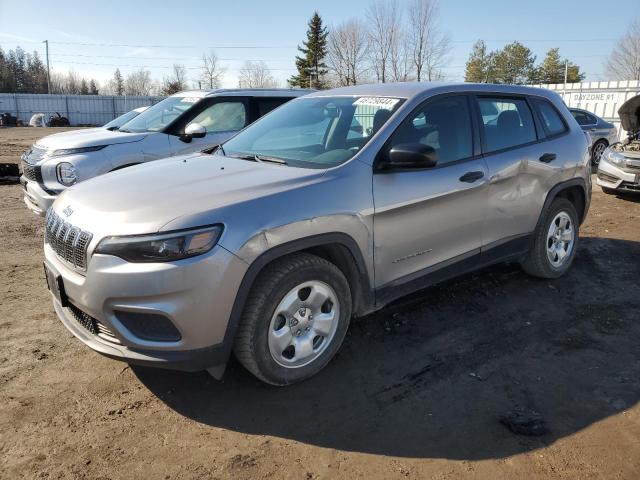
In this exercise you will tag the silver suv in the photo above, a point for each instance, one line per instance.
(329, 207)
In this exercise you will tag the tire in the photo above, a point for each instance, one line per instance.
(545, 259)
(609, 191)
(596, 152)
(286, 336)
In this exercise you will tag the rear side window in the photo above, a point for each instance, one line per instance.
(507, 122)
(443, 124)
(551, 120)
(265, 105)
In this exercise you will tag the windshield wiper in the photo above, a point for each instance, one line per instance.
(260, 158)
(123, 130)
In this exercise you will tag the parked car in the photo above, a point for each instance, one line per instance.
(619, 168)
(601, 132)
(182, 123)
(117, 122)
(268, 246)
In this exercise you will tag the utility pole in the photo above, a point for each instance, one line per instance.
(46, 43)
(566, 72)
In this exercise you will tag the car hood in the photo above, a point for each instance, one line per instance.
(90, 137)
(146, 197)
(629, 114)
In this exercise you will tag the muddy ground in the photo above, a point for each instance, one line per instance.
(416, 391)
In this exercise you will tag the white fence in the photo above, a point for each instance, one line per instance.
(79, 109)
(602, 98)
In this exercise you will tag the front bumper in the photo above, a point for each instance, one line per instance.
(615, 178)
(35, 197)
(196, 295)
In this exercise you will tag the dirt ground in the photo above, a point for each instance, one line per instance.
(417, 390)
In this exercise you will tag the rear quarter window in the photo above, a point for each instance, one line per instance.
(552, 121)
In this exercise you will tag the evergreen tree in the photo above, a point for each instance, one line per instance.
(93, 88)
(514, 64)
(478, 65)
(310, 65)
(552, 68)
(84, 88)
(118, 82)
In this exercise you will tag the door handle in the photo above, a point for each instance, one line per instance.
(548, 157)
(471, 177)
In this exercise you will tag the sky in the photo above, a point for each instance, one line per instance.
(93, 38)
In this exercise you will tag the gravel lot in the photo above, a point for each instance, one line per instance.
(417, 390)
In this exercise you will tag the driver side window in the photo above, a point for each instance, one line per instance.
(443, 124)
(222, 117)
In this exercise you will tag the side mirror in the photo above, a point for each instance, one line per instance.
(407, 156)
(193, 130)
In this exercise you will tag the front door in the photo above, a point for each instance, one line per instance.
(431, 218)
(222, 117)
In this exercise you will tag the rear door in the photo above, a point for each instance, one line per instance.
(430, 218)
(222, 117)
(522, 164)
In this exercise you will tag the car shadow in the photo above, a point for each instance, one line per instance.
(430, 375)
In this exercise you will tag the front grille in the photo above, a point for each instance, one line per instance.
(69, 242)
(32, 172)
(92, 325)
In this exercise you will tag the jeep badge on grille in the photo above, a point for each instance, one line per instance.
(68, 211)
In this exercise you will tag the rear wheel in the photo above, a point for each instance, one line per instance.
(295, 319)
(555, 241)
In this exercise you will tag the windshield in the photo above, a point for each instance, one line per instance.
(121, 120)
(313, 132)
(155, 118)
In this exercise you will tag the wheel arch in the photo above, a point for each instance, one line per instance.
(337, 247)
(574, 190)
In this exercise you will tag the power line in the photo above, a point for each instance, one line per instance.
(173, 46)
(163, 58)
(149, 66)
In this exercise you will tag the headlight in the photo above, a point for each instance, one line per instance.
(165, 247)
(66, 174)
(72, 151)
(614, 157)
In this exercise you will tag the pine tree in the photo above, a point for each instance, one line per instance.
(93, 88)
(84, 88)
(310, 65)
(118, 83)
(478, 65)
(514, 64)
(552, 69)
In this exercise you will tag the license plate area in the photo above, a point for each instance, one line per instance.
(55, 285)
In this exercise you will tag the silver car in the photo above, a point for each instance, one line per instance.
(619, 168)
(182, 123)
(601, 132)
(329, 207)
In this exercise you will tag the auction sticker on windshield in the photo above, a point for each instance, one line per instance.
(189, 100)
(382, 102)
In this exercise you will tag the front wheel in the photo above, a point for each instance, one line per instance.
(596, 152)
(295, 319)
(555, 241)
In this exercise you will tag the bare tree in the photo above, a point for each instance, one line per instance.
(400, 58)
(72, 83)
(383, 18)
(347, 52)
(177, 82)
(212, 71)
(429, 47)
(256, 75)
(624, 61)
(139, 83)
